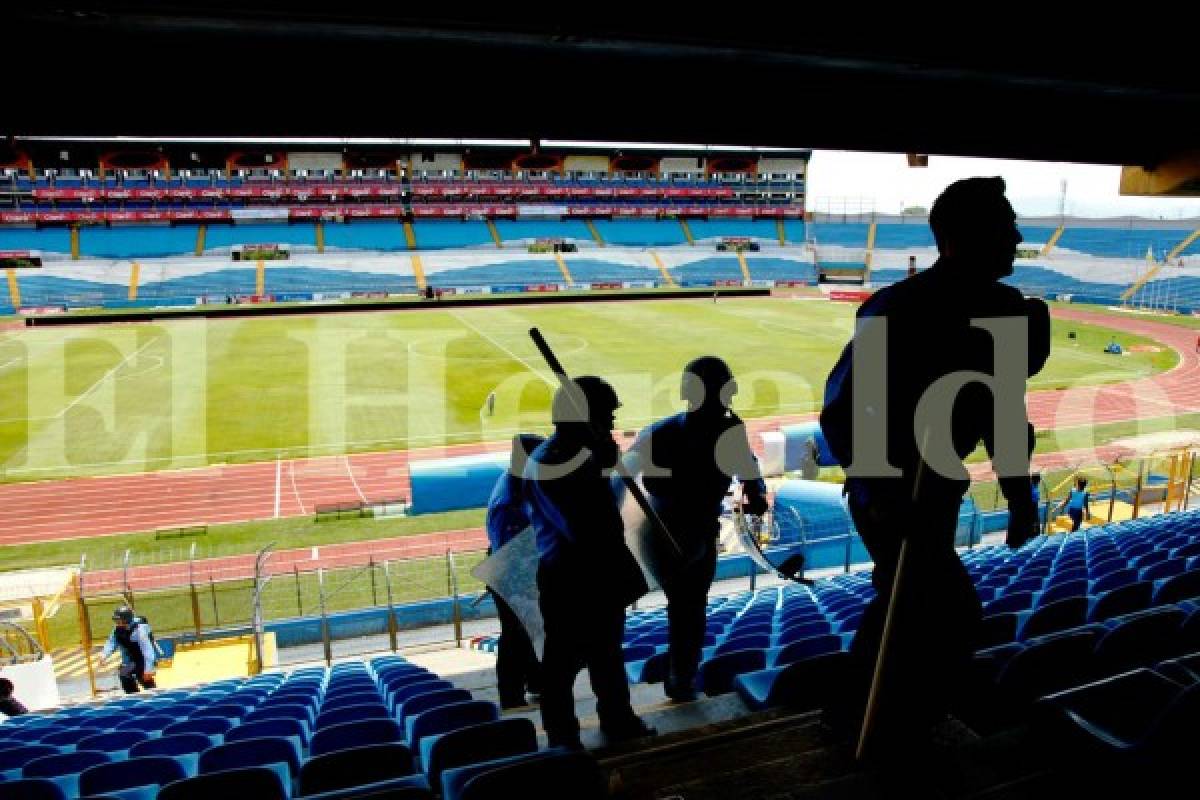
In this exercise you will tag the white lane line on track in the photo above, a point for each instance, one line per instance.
(350, 472)
(278, 481)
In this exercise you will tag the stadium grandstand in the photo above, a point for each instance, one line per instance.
(295, 504)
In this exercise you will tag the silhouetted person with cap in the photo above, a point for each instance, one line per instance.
(517, 668)
(688, 462)
(900, 414)
(586, 574)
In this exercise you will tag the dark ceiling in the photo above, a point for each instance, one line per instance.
(761, 77)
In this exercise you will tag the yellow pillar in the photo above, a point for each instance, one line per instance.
(134, 273)
(591, 226)
(39, 624)
(1054, 237)
(14, 291)
(495, 233)
(410, 235)
(870, 245)
(75, 242)
(1179, 248)
(260, 278)
(320, 237)
(201, 232)
(418, 271)
(780, 231)
(562, 266)
(662, 268)
(741, 257)
(687, 231)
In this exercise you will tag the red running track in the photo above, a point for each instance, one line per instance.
(87, 507)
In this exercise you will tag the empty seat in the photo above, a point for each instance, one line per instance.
(210, 726)
(273, 753)
(1183, 586)
(757, 641)
(807, 648)
(475, 743)
(64, 738)
(717, 673)
(115, 742)
(1121, 600)
(146, 775)
(1139, 640)
(805, 630)
(258, 783)
(14, 758)
(1184, 670)
(183, 747)
(446, 718)
(351, 713)
(355, 734)
(1115, 580)
(802, 685)
(548, 776)
(997, 629)
(290, 729)
(355, 766)
(424, 702)
(152, 724)
(1058, 616)
(1044, 666)
(1020, 601)
(32, 789)
(64, 768)
(1062, 591)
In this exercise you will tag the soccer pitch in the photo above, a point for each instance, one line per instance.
(137, 397)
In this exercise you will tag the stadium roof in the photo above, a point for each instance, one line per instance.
(750, 75)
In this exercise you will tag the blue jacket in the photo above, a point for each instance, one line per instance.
(506, 512)
(139, 637)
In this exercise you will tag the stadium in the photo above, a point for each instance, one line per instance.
(259, 387)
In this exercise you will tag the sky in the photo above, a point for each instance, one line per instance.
(845, 182)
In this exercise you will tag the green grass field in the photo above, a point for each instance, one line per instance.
(132, 398)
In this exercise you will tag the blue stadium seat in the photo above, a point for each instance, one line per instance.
(151, 724)
(12, 759)
(213, 727)
(807, 648)
(1046, 665)
(1140, 639)
(336, 716)
(421, 728)
(423, 702)
(32, 789)
(544, 776)
(115, 743)
(410, 690)
(997, 629)
(135, 779)
(1062, 591)
(355, 734)
(1122, 600)
(291, 729)
(277, 754)
(755, 641)
(303, 713)
(1115, 580)
(355, 766)
(1105, 719)
(802, 685)
(1057, 616)
(414, 787)
(183, 747)
(652, 670)
(1183, 586)
(258, 783)
(486, 741)
(717, 673)
(1163, 569)
(64, 768)
(1184, 670)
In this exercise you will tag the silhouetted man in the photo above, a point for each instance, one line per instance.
(517, 668)
(584, 565)
(688, 462)
(900, 415)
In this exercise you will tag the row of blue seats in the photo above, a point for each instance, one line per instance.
(317, 731)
